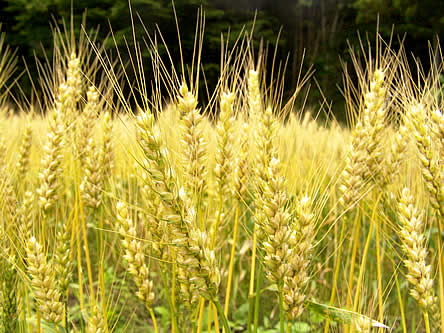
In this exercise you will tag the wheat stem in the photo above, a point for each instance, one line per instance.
(281, 311)
(401, 305)
(201, 311)
(379, 274)
(231, 265)
(222, 316)
(153, 318)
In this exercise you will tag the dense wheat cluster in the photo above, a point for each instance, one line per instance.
(139, 209)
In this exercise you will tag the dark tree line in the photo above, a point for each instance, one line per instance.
(320, 27)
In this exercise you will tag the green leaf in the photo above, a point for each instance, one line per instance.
(271, 287)
(300, 327)
(340, 315)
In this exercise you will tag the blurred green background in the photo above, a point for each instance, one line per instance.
(323, 28)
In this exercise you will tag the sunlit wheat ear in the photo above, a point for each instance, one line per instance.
(374, 119)
(438, 124)
(74, 77)
(162, 180)
(351, 179)
(134, 254)
(194, 145)
(198, 263)
(51, 165)
(223, 167)
(9, 207)
(286, 245)
(224, 150)
(366, 153)
(161, 175)
(96, 321)
(265, 145)
(70, 93)
(196, 267)
(275, 229)
(418, 123)
(156, 226)
(43, 283)
(24, 152)
(295, 281)
(258, 122)
(397, 153)
(265, 153)
(107, 148)
(62, 261)
(437, 118)
(414, 247)
(88, 121)
(255, 106)
(26, 217)
(91, 185)
(241, 167)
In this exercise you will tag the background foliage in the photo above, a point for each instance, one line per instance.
(320, 28)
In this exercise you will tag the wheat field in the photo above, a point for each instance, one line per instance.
(132, 207)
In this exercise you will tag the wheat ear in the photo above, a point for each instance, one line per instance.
(135, 256)
(413, 245)
(194, 145)
(24, 152)
(295, 281)
(43, 283)
(418, 122)
(49, 176)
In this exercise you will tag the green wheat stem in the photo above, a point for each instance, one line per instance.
(426, 321)
(257, 298)
(220, 310)
(336, 273)
(170, 302)
(401, 305)
(281, 311)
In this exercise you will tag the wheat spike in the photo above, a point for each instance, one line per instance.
(194, 145)
(51, 165)
(413, 245)
(43, 283)
(135, 256)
